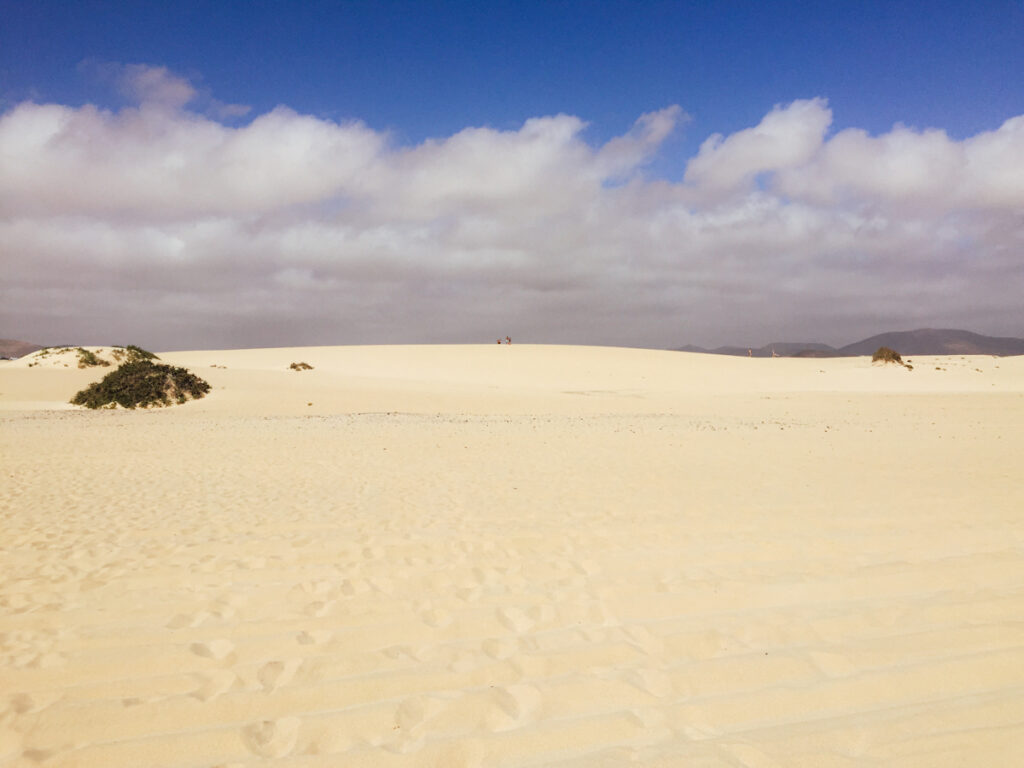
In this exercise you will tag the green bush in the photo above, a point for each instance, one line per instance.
(301, 367)
(142, 383)
(87, 359)
(887, 355)
(138, 353)
(132, 354)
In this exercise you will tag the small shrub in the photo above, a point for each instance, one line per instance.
(301, 367)
(138, 353)
(131, 354)
(886, 355)
(87, 359)
(47, 351)
(142, 384)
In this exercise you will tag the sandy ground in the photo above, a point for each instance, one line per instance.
(516, 556)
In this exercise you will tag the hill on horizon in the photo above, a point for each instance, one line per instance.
(923, 341)
(15, 348)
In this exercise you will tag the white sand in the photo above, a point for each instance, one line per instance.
(516, 556)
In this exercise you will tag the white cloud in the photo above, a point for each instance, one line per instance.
(167, 225)
(786, 137)
(155, 85)
(148, 163)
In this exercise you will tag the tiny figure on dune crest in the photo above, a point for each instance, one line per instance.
(508, 339)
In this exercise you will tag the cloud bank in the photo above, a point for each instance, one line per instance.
(167, 226)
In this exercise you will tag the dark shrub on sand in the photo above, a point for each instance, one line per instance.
(142, 383)
(886, 355)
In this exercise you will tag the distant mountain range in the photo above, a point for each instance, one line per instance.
(12, 348)
(925, 341)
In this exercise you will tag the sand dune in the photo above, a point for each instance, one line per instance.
(516, 556)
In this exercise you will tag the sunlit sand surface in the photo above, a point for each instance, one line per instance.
(516, 556)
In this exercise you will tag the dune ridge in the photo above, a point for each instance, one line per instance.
(516, 556)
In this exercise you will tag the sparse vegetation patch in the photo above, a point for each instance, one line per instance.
(301, 367)
(141, 384)
(89, 359)
(45, 352)
(131, 354)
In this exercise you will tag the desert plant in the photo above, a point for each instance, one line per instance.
(142, 384)
(47, 351)
(131, 354)
(138, 353)
(88, 359)
(301, 367)
(886, 355)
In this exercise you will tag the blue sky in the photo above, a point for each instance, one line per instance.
(409, 72)
(430, 69)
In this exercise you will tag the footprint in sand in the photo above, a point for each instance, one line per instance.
(272, 738)
(515, 619)
(513, 707)
(541, 613)
(220, 649)
(226, 607)
(182, 620)
(499, 649)
(25, 703)
(214, 684)
(436, 617)
(409, 732)
(319, 608)
(383, 585)
(351, 587)
(469, 594)
(586, 567)
(316, 637)
(414, 653)
(486, 576)
(464, 661)
(274, 674)
(412, 713)
(598, 613)
(40, 755)
(47, 660)
(315, 588)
